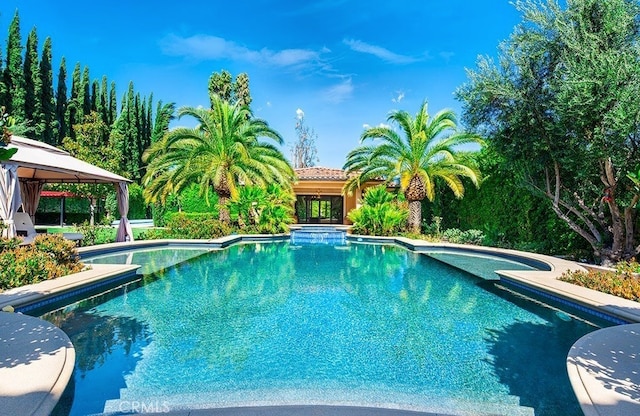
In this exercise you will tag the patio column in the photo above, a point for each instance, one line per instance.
(9, 197)
(124, 228)
(30, 192)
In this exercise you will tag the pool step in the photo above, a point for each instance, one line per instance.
(435, 406)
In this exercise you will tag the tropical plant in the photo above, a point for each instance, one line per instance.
(380, 214)
(221, 153)
(428, 150)
(265, 210)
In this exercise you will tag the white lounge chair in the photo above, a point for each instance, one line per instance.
(25, 229)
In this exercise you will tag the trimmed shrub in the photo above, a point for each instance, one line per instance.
(195, 226)
(50, 256)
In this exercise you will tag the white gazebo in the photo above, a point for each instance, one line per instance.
(36, 163)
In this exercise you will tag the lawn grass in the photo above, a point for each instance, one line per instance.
(70, 229)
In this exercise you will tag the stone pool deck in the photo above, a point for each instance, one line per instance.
(36, 363)
(36, 358)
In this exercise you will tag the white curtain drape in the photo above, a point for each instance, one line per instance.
(30, 192)
(9, 197)
(124, 228)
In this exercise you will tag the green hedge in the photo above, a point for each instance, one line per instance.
(190, 226)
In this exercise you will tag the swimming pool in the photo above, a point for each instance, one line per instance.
(361, 324)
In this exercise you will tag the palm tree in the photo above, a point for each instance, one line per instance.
(428, 149)
(221, 153)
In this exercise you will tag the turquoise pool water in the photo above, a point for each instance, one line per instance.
(357, 324)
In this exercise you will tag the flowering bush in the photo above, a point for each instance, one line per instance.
(622, 282)
(49, 256)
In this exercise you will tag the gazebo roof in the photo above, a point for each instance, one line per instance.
(41, 162)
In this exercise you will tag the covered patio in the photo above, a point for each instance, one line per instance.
(34, 164)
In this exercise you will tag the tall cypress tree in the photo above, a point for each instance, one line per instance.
(103, 103)
(148, 122)
(123, 131)
(113, 105)
(61, 102)
(46, 100)
(139, 113)
(95, 95)
(85, 93)
(32, 84)
(3, 89)
(13, 73)
(74, 106)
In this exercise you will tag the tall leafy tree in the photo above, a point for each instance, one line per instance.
(32, 84)
(61, 102)
(427, 150)
(561, 107)
(88, 145)
(47, 125)
(13, 73)
(241, 92)
(222, 152)
(221, 85)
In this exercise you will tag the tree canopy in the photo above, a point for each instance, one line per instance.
(561, 105)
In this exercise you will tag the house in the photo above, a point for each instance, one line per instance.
(319, 198)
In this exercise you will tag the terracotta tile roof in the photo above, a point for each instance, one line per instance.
(320, 173)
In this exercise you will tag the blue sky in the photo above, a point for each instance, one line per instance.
(345, 63)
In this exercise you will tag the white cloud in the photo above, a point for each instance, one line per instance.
(206, 47)
(299, 114)
(399, 97)
(382, 125)
(268, 103)
(378, 51)
(339, 92)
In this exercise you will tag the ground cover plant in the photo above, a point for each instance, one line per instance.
(622, 281)
(49, 256)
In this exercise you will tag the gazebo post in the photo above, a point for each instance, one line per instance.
(62, 207)
(10, 199)
(124, 228)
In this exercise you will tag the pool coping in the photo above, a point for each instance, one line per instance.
(544, 282)
(603, 370)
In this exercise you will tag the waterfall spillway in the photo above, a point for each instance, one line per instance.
(318, 235)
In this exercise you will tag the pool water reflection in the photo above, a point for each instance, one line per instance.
(362, 324)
